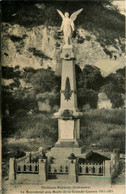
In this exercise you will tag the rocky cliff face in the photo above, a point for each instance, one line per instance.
(39, 47)
(30, 37)
(33, 47)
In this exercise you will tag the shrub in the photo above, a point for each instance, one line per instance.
(101, 127)
(80, 39)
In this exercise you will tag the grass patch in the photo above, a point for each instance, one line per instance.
(115, 116)
(105, 128)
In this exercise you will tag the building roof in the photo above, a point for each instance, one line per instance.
(93, 158)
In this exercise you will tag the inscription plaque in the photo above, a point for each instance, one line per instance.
(66, 129)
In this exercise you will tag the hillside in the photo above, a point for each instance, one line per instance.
(30, 37)
(31, 43)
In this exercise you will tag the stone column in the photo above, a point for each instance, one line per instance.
(108, 171)
(115, 160)
(42, 170)
(12, 170)
(68, 82)
(68, 114)
(73, 168)
(40, 149)
(27, 156)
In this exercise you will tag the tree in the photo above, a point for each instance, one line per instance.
(114, 87)
(10, 72)
(87, 96)
(89, 81)
(43, 80)
(91, 78)
(113, 95)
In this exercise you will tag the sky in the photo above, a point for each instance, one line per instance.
(110, 66)
(121, 5)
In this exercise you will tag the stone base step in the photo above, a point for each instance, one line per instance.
(69, 144)
(63, 152)
(61, 162)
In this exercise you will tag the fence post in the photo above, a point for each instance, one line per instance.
(43, 170)
(40, 149)
(115, 160)
(12, 169)
(108, 171)
(73, 175)
(77, 169)
(28, 156)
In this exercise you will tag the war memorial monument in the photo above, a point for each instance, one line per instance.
(69, 159)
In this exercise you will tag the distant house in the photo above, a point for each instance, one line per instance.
(103, 101)
(44, 106)
(43, 101)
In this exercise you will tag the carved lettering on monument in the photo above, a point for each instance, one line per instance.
(67, 129)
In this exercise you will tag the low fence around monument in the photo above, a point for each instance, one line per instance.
(30, 156)
(43, 171)
(27, 171)
(58, 169)
(96, 169)
(28, 168)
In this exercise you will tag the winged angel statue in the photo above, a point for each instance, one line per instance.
(68, 25)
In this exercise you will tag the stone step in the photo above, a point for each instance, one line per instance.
(61, 162)
(64, 152)
(67, 144)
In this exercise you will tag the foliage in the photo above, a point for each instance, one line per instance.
(91, 78)
(107, 116)
(87, 96)
(101, 127)
(44, 80)
(10, 72)
(16, 97)
(89, 81)
(115, 97)
(114, 87)
(39, 53)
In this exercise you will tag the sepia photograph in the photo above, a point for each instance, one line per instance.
(63, 96)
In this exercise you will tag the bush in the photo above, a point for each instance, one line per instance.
(80, 39)
(101, 127)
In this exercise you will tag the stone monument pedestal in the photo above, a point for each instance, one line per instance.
(68, 114)
(64, 152)
(68, 133)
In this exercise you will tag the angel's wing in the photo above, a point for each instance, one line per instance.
(74, 15)
(61, 14)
